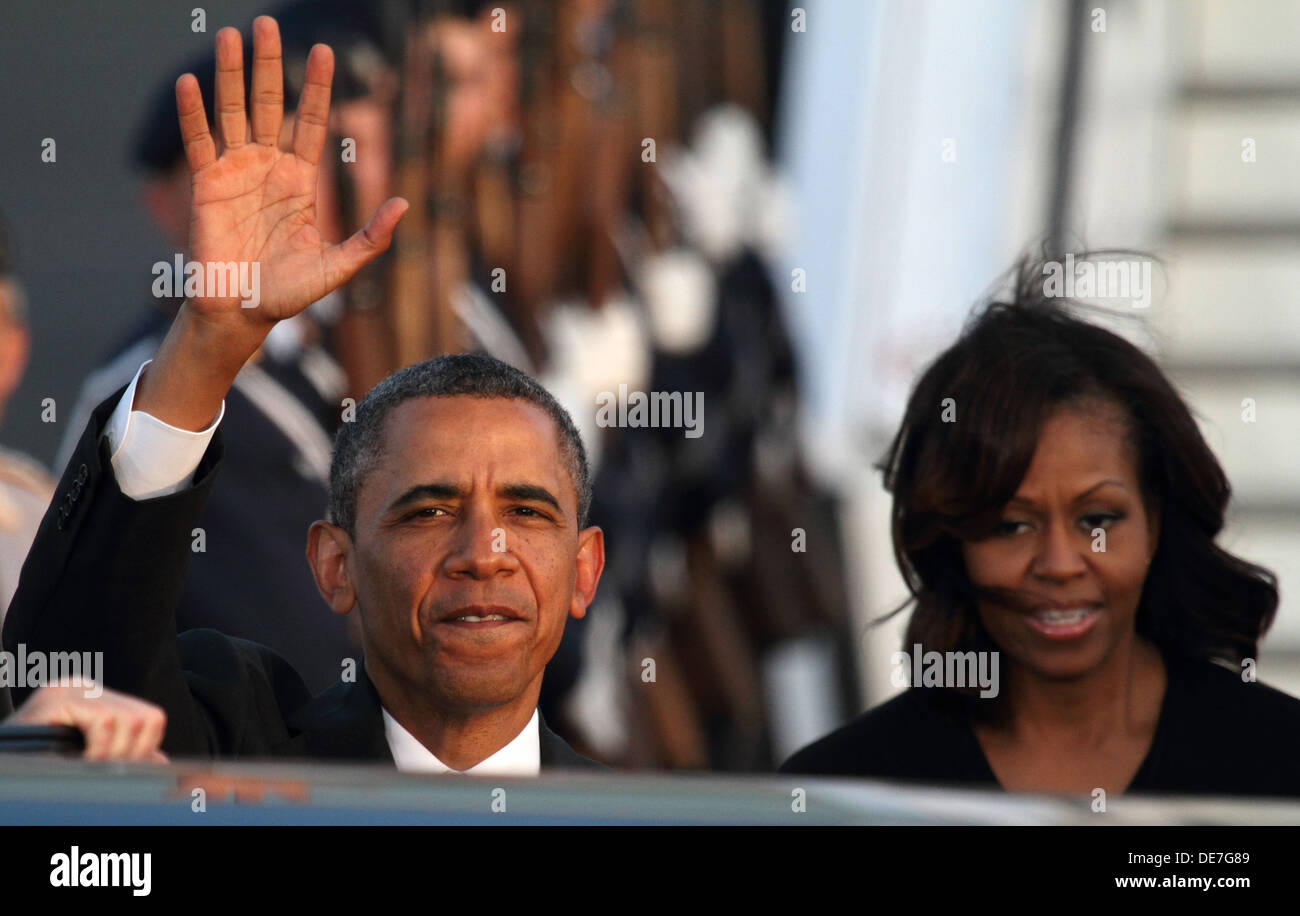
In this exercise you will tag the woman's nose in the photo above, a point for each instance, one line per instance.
(1060, 553)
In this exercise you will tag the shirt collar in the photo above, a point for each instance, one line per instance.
(521, 757)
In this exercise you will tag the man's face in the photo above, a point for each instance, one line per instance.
(467, 557)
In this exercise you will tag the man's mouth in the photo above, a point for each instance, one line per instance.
(481, 617)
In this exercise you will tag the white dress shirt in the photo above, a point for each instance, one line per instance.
(151, 458)
(521, 757)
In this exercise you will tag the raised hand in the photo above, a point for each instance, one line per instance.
(256, 203)
(253, 205)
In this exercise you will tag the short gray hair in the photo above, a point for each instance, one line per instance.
(359, 443)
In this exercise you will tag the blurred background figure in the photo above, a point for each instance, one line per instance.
(786, 207)
(25, 486)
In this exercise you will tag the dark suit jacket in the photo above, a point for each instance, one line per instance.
(105, 575)
(250, 581)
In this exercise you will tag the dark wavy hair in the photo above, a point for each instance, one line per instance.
(1013, 365)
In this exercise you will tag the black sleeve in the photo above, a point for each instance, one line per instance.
(242, 689)
(105, 574)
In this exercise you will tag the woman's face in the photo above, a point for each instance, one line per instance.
(1071, 550)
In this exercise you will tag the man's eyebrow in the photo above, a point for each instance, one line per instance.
(531, 493)
(426, 491)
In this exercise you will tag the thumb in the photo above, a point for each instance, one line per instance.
(343, 260)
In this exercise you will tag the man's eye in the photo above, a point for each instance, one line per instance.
(528, 512)
(426, 512)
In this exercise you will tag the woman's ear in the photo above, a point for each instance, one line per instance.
(1153, 530)
(328, 551)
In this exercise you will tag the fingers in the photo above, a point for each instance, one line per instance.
(346, 258)
(267, 99)
(116, 726)
(119, 727)
(200, 151)
(230, 116)
(151, 736)
(313, 115)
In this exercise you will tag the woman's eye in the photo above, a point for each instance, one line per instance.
(1008, 528)
(1103, 520)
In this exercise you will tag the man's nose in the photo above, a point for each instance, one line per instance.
(1060, 554)
(482, 546)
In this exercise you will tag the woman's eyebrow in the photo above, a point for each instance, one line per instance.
(1026, 501)
(1097, 486)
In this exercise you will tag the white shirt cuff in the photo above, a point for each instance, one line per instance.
(152, 458)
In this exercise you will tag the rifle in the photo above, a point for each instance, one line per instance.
(407, 295)
(656, 88)
(743, 77)
(363, 336)
(448, 205)
(427, 258)
(536, 232)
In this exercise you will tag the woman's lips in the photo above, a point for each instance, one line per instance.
(1062, 623)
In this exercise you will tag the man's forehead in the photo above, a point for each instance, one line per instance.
(488, 417)
(427, 437)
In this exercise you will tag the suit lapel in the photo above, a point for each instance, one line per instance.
(554, 752)
(345, 721)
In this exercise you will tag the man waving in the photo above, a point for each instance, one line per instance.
(458, 495)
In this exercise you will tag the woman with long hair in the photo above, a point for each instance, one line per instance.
(1055, 510)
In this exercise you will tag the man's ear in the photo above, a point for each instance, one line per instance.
(591, 562)
(328, 551)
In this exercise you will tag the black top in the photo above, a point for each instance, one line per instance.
(1216, 735)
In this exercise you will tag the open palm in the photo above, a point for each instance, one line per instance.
(256, 203)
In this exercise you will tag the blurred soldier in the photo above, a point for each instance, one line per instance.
(25, 487)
